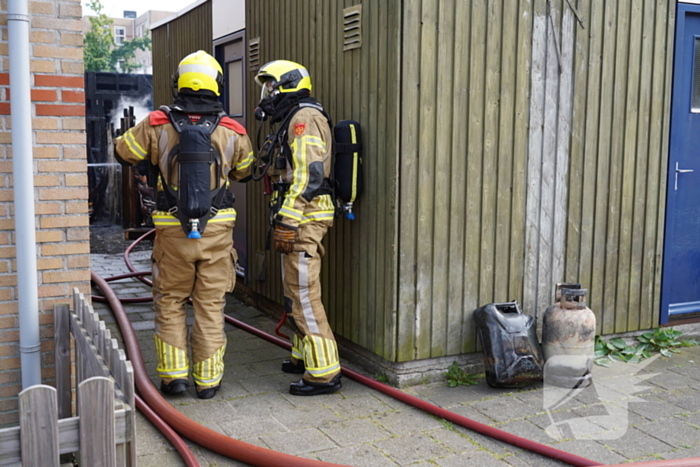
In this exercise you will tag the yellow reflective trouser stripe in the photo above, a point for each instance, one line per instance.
(163, 218)
(134, 146)
(297, 347)
(320, 356)
(318, 216)
(291, 213)
(172, 362)
(210, 371)
(245, 163)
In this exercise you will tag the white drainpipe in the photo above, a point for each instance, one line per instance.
(23, 173)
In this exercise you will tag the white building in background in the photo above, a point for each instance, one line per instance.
(130, 26)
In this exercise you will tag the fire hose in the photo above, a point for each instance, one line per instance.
(262, 457)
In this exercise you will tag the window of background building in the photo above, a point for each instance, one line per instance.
(119, 35)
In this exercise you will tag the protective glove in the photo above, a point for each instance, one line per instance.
(284, 239)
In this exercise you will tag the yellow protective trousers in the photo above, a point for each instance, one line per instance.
(204, 270)
(314, 343)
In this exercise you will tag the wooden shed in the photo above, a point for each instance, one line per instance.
(508, 145)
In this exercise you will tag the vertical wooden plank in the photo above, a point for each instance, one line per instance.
(381, 179)
(126, 373)
(575, 223)
(426, 175)
(659, 136)
(410, 92)
(612, 258)
(38, 421)
(599, 276)
(647, 178)
(457, 315)
(639, 235)
(392, 123)
(561, 194)
(62, 358)
(367, 99)
(96, 411)
(546, 262)
(629, 223)
(520, 152)
(475, 132)
(504, 154)
(490, 152)
(441, 219)
(534, 168)
(591, 64)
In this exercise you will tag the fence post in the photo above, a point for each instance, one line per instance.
(61, 320)
(38, 423)
(96, 411)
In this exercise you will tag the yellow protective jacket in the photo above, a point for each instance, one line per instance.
(309, 138)
(154, 138)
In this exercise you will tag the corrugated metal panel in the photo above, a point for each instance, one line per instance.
(619, 147)
(174, 40)
(465, 97)
(359, 269)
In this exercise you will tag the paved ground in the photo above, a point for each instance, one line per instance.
(608, 422)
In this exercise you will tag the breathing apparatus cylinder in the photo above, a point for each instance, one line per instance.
(194, 232)
(347, 170)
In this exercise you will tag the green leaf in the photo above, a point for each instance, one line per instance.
(665, 352)
(618, 342)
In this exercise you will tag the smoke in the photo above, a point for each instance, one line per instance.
(141, 109)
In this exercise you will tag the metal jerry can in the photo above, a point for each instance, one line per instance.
(512, 354)
(568, 338)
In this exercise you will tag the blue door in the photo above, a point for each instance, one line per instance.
(680, 293)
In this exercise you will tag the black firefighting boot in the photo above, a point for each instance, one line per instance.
(207, 393)
(176, 386)
(289, 367)
(307, 388)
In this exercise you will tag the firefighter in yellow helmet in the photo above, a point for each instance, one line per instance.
(196, 150)
(302, 216)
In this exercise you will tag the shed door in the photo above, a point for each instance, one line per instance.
(680, 293)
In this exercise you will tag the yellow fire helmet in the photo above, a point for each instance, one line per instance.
(199, 71)
(283, 76)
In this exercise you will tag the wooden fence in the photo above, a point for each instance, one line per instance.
(103, 431)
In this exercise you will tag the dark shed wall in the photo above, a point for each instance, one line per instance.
(359, 269)
(172, 42)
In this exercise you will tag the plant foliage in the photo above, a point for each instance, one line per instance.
(665, 341)
(101, 53)
(458, 377)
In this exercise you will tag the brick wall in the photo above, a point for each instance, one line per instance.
(60, 180)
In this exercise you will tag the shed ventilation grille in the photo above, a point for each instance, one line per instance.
(254, 54)
(352, 27)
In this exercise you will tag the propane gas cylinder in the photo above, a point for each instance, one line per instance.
(568, 338)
